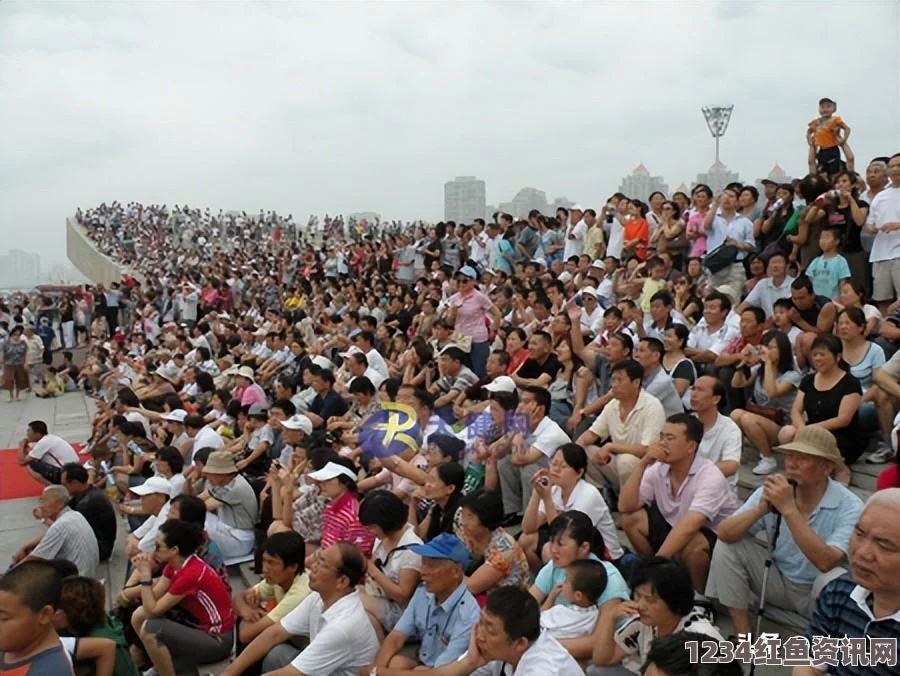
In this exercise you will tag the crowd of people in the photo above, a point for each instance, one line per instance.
(557, 370)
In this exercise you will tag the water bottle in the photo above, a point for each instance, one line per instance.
(111, 491)
(776, 205)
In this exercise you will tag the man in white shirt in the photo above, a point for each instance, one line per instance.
(44, 454)
(722, 439)
(507, 641)
(711, 335)
(202, 436)
(341, 638)
(591, 311)
(529, 450)
(627, 426)
(884, 221)
(777, 284)
(575, 233)
(365, 341)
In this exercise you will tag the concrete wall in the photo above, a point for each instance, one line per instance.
(90, 262)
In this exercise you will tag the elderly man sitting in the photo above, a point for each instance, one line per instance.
(233, 503)
(865, 603)
(69, 536)
(443, 600)
(819, 515)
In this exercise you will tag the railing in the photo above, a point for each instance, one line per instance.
(93, 264)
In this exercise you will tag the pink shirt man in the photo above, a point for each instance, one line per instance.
(705, 491)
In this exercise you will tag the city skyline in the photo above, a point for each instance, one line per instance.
(178, 103)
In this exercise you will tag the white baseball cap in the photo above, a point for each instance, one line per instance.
(501, 384)
(178, 415)
(331, 471)
(155, 484)
(298, 422)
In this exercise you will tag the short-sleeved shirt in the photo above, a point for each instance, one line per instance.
(238, 508)
(586, 499)
(722, 442)
(443, 630)
(634, 637)
(660, 385)
(811, 314)
(701, 338)
(739, 228)
(550, 576)
(547, 437)
(70, 537)
(785, 401)
(53, 450)
(206, 437)
(341, 638)
(826, 274)
(532, 368)
(277, 602)
(641, 426)
(832, 520)
(844, 608)
(865, 367)
(206, 598)
(51, 661)
(544, 656)
(505, 555)
(471, 311)
(765, 293)
(340, 523)
(332, 405)
(705, 491)
(461, 382)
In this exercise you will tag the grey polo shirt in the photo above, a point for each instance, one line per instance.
(70, 537)
(661, 386)
(239, 506)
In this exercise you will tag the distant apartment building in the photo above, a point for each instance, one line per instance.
(639, 184)
(464, 199)
(559, 203)
(524, 201)
(718, 177)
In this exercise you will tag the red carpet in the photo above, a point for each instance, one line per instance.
(15, 481)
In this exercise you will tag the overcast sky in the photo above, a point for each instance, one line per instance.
(341, 107)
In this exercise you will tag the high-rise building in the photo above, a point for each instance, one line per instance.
(464, 199)
(639, 184)
(524, 201)
(19, 269)
(718, 177)
(559, 202)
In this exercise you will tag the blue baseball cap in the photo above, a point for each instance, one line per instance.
(444, 546)
(468, 271)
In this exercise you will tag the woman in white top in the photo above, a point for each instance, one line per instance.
(393, 570)
(560, 489)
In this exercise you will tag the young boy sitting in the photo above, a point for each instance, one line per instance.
(585, 583)
(29, 644)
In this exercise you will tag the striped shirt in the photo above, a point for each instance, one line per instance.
(844, 609)
(340, 523)
(206, 598)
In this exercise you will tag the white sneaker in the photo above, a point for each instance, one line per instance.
(765, 466)
(881, 455)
